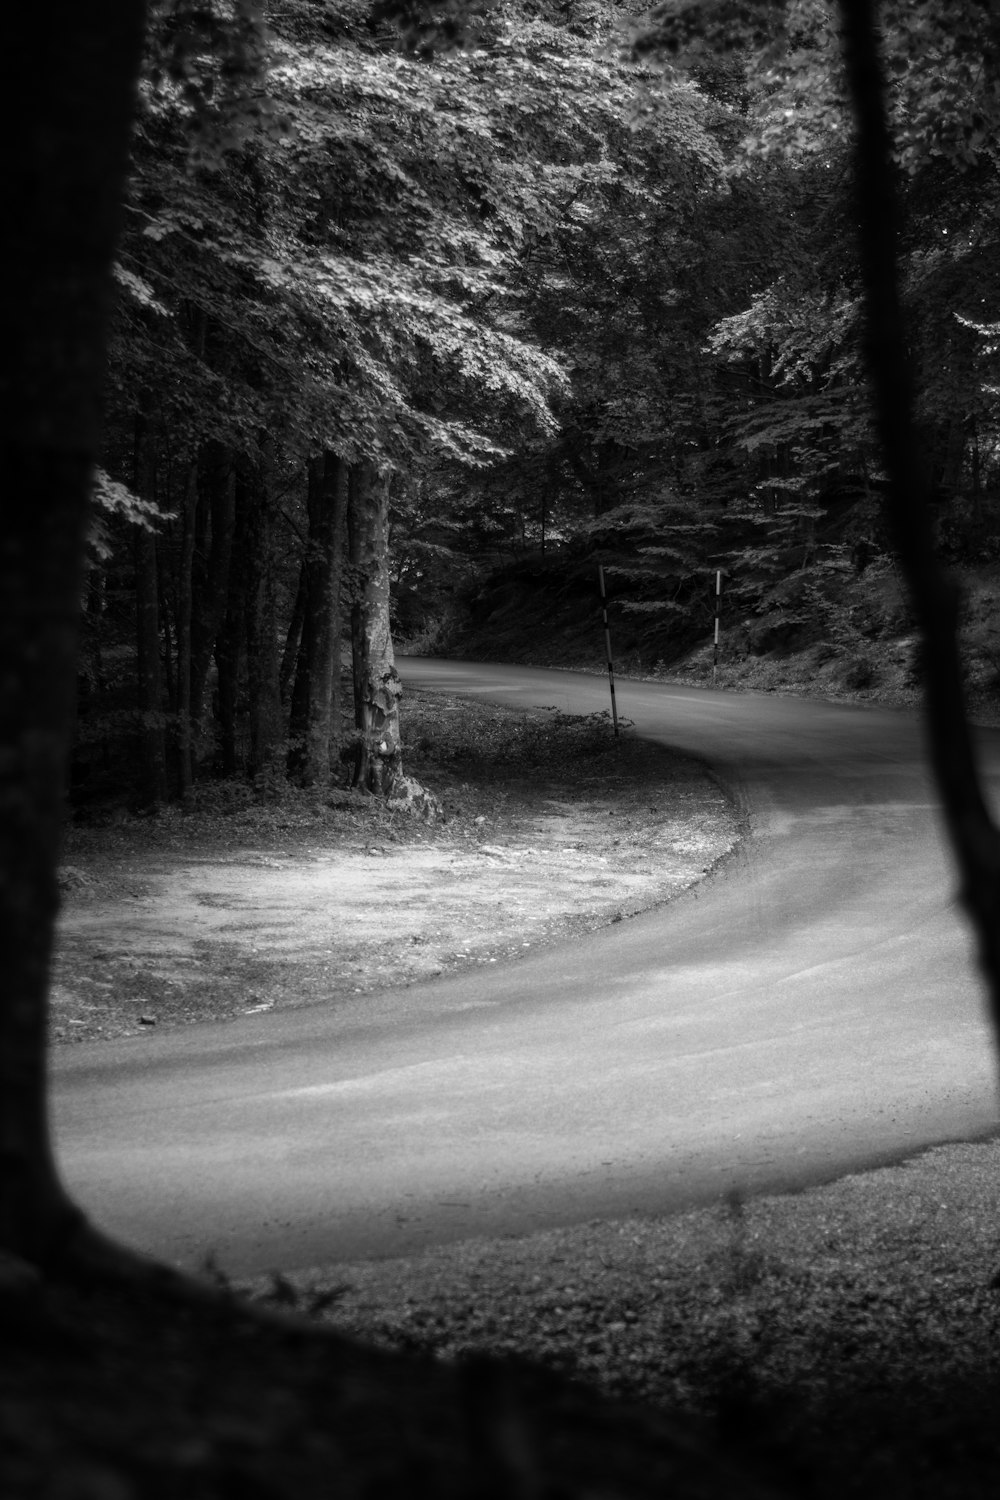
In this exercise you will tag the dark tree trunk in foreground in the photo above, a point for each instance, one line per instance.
(63, 154)
(974, 836)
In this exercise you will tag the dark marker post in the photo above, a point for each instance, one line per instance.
(607, 643)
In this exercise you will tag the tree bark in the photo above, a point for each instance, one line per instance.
(263, 688)
(230, 641)
(315, 701)
(377, 690)
(213, 547)
(67, 111)
(184, 735)
(293, 640)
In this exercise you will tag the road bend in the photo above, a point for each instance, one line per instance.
(810, 1009)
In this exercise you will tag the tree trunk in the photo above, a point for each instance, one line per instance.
(975, 836)
(377, 690)
(184, 745)
(263, 689)
(213, 546)
(63, 155)
(152, 741)
(229, 644)
(293, 640)
(314, 699)
(297, 659)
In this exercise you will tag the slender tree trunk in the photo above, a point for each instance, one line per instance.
(293, 639)
(358, 498)
(95, 613)
(184, 746)
(152, 740)
(377, 690)
(975, 837)
(66, 115)
(229, 644)
(263, 690)
(166, 630)
(215, 519)
(298, 708)
(977, 485)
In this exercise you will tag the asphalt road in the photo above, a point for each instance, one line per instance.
(810, 1009)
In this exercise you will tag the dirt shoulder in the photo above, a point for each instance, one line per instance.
(258, 901)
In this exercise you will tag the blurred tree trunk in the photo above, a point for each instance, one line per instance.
(975, 837)
(67, 112)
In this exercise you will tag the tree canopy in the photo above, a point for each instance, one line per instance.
(573, 281)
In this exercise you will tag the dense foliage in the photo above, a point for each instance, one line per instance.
(584, 287)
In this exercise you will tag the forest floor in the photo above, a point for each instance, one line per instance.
(837, 1342)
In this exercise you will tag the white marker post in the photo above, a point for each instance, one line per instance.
(718, 606)
(607, 645)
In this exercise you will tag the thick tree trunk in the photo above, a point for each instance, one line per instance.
(314, 700)
(377, 690)
(67, 110)
(327, 522)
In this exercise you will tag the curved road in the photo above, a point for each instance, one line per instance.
(810, 1008)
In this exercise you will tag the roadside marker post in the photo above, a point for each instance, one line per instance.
(607, 645)
(718, 606)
